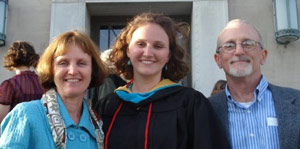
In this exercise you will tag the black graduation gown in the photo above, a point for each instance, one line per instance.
(180, 118)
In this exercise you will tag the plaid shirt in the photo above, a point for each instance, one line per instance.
(20, 88)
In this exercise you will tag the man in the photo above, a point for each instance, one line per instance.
(254, 113)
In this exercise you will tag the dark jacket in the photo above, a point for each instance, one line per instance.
(180, 118)
(287, 108)
(109, 85)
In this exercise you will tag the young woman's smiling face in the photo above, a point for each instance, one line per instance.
(149, 51)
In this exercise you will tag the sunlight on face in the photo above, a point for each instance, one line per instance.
(72, 72)
(149, 50)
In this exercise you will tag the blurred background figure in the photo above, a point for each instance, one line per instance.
(112, 82)
(25, 85)
(218, 87)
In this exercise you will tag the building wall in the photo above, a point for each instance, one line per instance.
(208, 17)
(68, 15)
(29, 21)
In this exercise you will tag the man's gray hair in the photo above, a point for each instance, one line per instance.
(244, 22)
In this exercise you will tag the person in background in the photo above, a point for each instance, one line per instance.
(218, 87)
(153, 110)
(254, 112)
(112, 82)
(61, 118)
(25, 85)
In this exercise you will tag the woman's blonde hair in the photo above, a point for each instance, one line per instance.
(60, 46)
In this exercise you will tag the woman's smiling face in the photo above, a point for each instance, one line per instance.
(149, 50)
(72, 72)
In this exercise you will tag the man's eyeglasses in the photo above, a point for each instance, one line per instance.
(230, 47)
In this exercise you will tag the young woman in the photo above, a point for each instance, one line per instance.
(153, 110)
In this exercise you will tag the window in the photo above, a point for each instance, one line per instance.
(107, 36)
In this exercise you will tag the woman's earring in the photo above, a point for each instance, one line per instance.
(128, 63)
(166, 68)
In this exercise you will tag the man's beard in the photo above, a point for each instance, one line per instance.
(240, 72)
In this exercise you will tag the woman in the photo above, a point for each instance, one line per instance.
(25, 85)
(112, 81)
(154, 110)
(62, 118)
(218, 87)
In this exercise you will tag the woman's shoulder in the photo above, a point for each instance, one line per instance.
(25, 115)
(6, 83)
(29, 104)
(24, 75)
(29, 110)
(187, 92)
(190, 96)
(27, 121)
(177, 96)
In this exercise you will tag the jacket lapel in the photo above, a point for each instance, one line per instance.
(219, 102)
(286, 112)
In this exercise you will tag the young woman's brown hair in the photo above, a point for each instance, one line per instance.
(177, 67)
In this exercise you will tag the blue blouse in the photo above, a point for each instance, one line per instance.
(27, 126)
